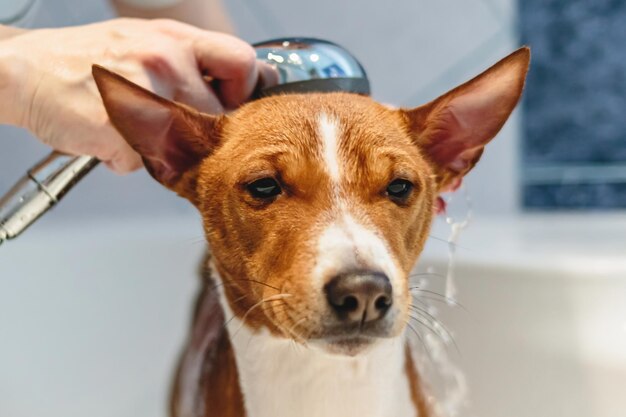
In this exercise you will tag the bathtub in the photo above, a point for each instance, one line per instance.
(93, 314)
(544, 333)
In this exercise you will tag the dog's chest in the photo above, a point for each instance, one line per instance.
(281, 379)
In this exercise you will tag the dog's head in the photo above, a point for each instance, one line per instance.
(317, 206)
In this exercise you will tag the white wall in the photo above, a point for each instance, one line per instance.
(413, 50)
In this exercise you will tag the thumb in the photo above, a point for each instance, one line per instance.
(124, 160)
(115, 152)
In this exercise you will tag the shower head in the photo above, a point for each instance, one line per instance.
(306, 65)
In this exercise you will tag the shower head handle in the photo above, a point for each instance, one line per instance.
(43, 186)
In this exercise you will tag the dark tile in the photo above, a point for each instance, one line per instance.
(575, 101)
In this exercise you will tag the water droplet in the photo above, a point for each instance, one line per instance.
(454, 394)
(456, 227)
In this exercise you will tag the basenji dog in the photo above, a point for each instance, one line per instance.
(315, 208)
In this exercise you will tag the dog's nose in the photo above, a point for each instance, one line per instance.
(363, 297)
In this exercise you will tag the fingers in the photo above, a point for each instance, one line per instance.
(268, 75)
(229, 60)
(116, 153)
(199, 95)
(125, 160)
(110, 148)
(107, 145)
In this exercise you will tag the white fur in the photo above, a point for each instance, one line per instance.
(346, 245)
(328, 129)
(281, 379)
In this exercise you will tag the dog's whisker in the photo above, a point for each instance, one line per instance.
(293, 343)
(432, 319)
(429, 326)
(426, 274)
(257, 282)
(234, 315)
(274, 308)
(417, 288)
(445, 301)
(282, 308)
(194, 239)
(232, 284)
(421, 340)
(275, 297)
(448, 242)
(292, 331)
(446, 341)
(421, 302)
(436, 328)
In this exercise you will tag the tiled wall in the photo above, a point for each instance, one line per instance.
(413, 50)
(575, 129)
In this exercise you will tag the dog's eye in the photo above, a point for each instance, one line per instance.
(399, 189)
(264, 188)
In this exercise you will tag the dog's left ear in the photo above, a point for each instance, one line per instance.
(171, 138)
(453, 129)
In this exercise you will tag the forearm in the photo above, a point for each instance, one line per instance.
(205, 14)
(11, 77)
(9, 31)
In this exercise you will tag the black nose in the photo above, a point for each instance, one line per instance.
(363, 297)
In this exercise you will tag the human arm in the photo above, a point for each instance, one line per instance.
(9, 31)
(47, 88)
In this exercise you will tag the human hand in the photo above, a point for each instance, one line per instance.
(48, 88)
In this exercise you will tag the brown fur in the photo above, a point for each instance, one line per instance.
(217, 392)
(264, 248)
(274, 244)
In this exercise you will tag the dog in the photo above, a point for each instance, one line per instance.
(315, 208)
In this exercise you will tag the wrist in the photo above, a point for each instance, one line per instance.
(10, 31)
(13, 88)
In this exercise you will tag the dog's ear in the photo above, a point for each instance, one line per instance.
(171, 138)
(453, 129)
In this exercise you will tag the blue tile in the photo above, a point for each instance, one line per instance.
(576, 94)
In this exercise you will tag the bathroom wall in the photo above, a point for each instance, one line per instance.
(575, 147)
(413, 50)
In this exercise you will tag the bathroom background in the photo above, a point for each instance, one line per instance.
(95, 299)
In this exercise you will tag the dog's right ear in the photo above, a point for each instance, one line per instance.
(171, 138)
(453, 129)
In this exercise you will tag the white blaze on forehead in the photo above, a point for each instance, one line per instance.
(346, 245)
(329, 133)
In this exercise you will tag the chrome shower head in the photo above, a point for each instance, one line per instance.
(306, 65)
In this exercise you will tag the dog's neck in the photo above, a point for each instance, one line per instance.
(279, 378)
